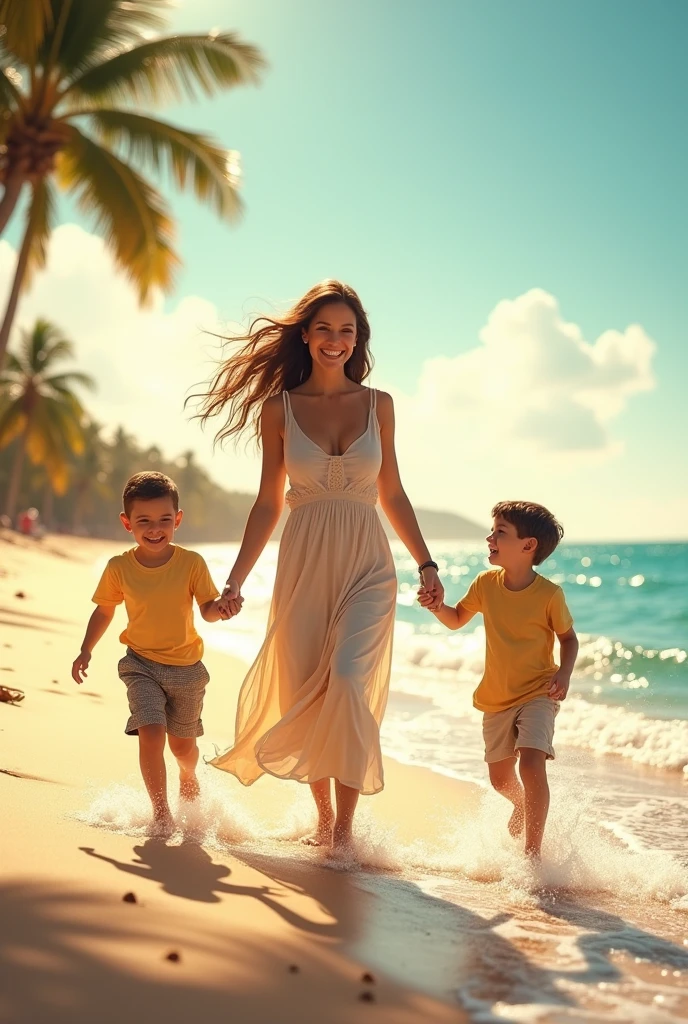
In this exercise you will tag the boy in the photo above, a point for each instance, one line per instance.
(162, 670)
(522, 686)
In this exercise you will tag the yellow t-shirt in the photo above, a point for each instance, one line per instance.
(519, 633)
(159, 604)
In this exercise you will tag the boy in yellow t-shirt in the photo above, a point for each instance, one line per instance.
(522, 686)
(165, 678)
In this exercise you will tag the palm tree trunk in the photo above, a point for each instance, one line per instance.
(13, 187)
(48, 510)
(78, 510)
(15, 478)
(22, 263)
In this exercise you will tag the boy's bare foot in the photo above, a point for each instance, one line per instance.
(189, 788)
(516, 822)
(323, 833)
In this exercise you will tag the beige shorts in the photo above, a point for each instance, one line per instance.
(527, 725)
(169, 695)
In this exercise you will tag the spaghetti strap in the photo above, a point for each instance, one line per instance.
(287, 406)
(373, 399)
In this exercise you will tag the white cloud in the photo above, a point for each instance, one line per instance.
(525, 412)
(535, 384)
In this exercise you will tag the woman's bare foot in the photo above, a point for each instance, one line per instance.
(323, 833)
(342, 838)
(162, 825)
(516, 822)
(189, 788)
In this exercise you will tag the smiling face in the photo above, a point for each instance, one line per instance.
(331, 335)
(152, 521)
(507, 549)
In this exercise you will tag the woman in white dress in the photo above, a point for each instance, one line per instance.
(311, 705)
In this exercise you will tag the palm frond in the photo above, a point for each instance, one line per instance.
(69, 403)
(130, 214)
(97, 28)
(12, 422)
(170, 68)
(41, 217)
(65, 381)
(13, 367)
(54, 431)
(58, 473)
(10, 92)
(53, 351)
(44, 345)
(25, 23)
(191, 157)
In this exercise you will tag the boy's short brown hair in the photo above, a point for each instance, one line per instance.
(532, 520)
(148, 485)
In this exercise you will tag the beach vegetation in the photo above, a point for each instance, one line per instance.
(78, 82)
(40, 409)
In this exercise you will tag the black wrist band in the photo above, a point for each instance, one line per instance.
(428, 565)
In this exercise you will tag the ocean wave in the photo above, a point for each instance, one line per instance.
(606, 729)
(473, 844)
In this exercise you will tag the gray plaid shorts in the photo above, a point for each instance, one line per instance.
(169, 695)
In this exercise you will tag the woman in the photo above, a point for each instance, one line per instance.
(311, 705)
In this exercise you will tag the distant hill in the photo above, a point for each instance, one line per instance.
(433, 526)
(441, 526)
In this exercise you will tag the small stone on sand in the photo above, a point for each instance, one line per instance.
(129, 897)
(173, 957)
(368, 978)
(20, 594)
(367, 997)
(293, 968)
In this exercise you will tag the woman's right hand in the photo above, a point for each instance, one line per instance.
(231, 600)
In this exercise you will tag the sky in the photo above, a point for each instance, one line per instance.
(504, 186)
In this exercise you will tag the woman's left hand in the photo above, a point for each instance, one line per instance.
(432, 585)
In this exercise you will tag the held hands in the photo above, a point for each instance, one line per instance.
(559, 686)
(79, 667)
(431, 592)
(231, 601)
(220, 609)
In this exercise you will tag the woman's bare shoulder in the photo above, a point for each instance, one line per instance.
(385, 403)
(272, 411)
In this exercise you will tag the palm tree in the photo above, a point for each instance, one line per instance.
(74, 75)
(39, 409)
(89, 475)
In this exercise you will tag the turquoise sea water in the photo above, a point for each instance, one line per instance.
(634, 596)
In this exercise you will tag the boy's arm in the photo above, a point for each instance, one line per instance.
(209, 602)
(97, 625)
(450, 616)
(213, 611)
(453, 617)
(559, 687)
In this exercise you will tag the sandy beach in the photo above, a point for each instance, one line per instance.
(72, 950)
(265, 930)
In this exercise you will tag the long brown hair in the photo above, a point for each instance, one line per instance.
(273, 358)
